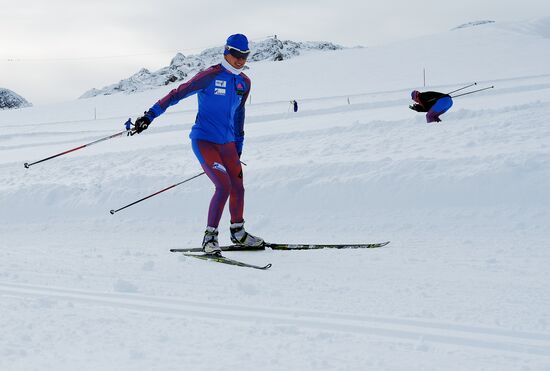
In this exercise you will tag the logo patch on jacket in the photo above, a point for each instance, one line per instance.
(239, 88)
(220, 86)
(219, 167)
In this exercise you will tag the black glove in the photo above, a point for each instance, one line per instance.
(142, 123)
(417, 107)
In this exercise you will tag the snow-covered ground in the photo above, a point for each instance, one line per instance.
(464, 284)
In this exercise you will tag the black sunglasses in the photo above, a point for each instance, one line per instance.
(237, 53)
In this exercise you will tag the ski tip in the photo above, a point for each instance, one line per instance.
(267, 266)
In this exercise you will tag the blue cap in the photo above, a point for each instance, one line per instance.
(237, 41)
(414, 93)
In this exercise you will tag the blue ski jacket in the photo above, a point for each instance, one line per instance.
(221, 96)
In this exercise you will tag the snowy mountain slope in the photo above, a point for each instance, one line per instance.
(536, 27)
(182, 67)
(462, 286)
(484, 54)
(11, 100)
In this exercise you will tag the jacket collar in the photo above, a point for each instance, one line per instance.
(230, 68)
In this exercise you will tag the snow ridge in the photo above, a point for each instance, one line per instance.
(182, 66)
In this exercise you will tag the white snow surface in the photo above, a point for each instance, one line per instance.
(463, 285)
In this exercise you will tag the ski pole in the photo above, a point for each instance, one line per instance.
(162, 190)
(127, 131)
(454, 91)
(156, 193)
(471, 92)
(466, 87)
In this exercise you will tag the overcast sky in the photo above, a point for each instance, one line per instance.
(55, 50)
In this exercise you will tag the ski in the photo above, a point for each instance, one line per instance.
(224, 260)
(223, 248)
(286, 246)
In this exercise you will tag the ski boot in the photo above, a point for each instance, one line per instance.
(242, 238)
(210, 242)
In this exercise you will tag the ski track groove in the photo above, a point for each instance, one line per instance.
(508, 341)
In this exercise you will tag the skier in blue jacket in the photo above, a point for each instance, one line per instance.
(217, 136)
